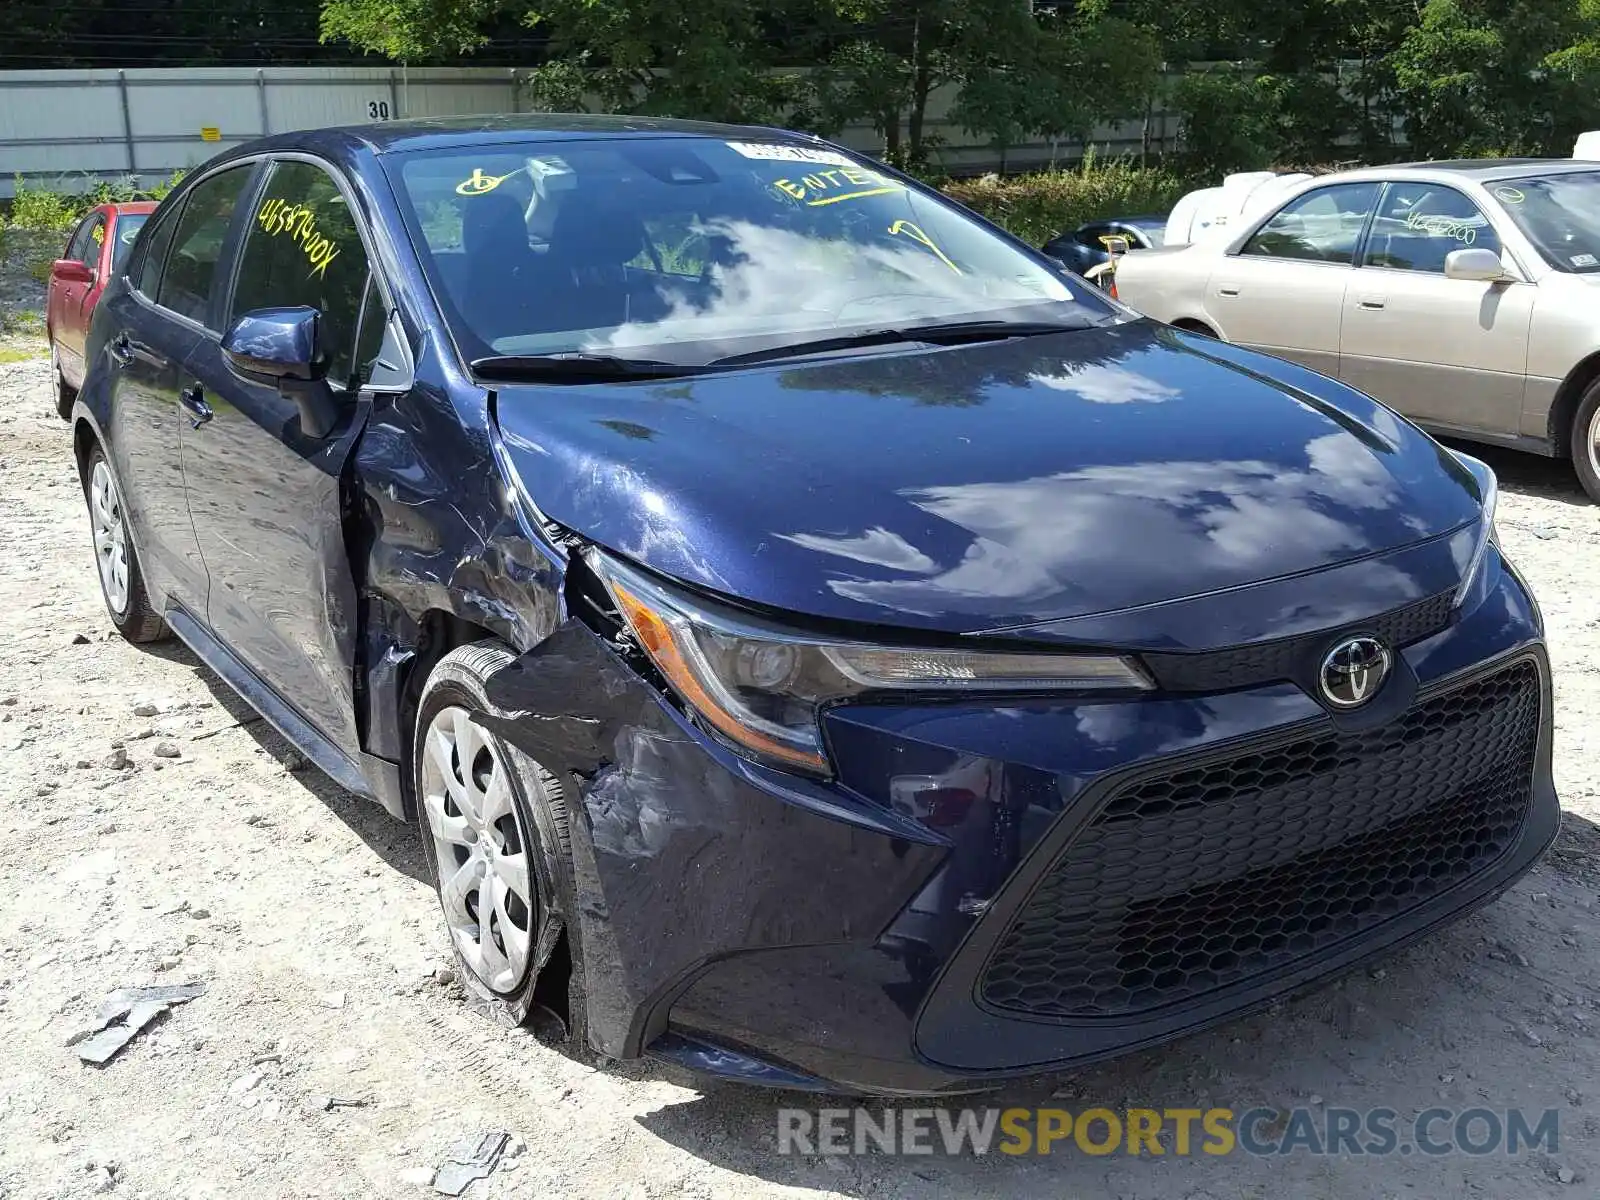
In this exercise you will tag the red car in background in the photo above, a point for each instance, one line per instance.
(98, 248)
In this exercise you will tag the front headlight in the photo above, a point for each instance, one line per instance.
(1473, 578)
(762, 687)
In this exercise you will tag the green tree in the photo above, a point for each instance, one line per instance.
(688, 58)
(410, 30)
(1058, 79)
(1498, 76)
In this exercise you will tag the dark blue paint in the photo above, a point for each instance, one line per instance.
(274, 341)
(141, 420)
(1127, 486)
(267, 499)
(982, 487)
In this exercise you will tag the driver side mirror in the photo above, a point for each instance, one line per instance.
(1477, 266)
(279, 346)
(71, 270)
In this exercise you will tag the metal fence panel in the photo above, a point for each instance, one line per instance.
(68, 129)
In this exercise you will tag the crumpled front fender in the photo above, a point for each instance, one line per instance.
(684, 853)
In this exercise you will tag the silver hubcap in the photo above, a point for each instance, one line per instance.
(481, 849)
(110, 537)
(1594, 442)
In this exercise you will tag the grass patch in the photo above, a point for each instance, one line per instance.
(1037, 207)
(58, 210)
(16, 354)
(26, 322)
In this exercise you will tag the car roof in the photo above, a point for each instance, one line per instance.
(130, 207)
(387, 137)
(1477, 169)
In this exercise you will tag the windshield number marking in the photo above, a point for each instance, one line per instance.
(477, 184)
(916, 234)
(822, 187)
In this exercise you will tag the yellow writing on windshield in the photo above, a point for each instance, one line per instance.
(837, 184)
(299, 223)
(478, 183)
(916, 234)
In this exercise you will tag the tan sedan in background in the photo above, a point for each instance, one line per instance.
(1464, 294)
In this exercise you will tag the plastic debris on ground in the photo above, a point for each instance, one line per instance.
(469, 1160)
(126, 1013)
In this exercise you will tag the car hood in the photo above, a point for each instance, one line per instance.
(979, 487)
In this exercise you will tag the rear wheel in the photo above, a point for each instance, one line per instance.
(1199, 327)
(1586, 442)
(494, 831)
(121, 581)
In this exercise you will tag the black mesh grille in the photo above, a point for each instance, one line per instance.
(1266, 662)
(1205, 877)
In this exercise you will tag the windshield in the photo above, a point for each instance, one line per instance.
(1154, 231)
(1559, 214)
(689, 249)
(128, 226)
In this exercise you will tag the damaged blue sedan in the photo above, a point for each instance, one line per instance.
(819, 641)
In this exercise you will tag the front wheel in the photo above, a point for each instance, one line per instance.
(121, 581)
(494, 831)
(1586, 442)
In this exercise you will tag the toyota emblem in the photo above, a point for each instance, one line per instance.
(1353, 672)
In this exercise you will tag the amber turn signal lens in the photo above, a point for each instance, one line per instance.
(661, 642)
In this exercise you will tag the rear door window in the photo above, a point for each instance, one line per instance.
(79, 244)
(302, 248)
(188, 280)
(93, 235)
(153, 256)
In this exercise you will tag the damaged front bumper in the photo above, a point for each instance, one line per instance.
(844, 935)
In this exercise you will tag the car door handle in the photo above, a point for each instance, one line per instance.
(1228, 289)
(193, 399)
(121, 350)
(1373, 302)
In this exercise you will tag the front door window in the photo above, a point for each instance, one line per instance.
(302, 248)
(1419, 224)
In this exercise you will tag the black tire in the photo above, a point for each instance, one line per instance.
(66, 395)
(1586, 442)
(1198, 327)
(137, 620)
(459, 680)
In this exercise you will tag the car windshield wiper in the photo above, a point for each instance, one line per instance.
(577, 365)
(582, 365)
(947, 333)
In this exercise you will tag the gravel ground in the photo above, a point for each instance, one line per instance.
(155, 831)
(21, 295)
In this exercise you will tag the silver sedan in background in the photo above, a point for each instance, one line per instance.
(1464, 294)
